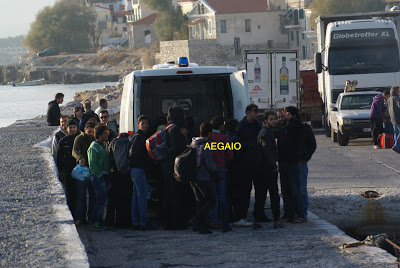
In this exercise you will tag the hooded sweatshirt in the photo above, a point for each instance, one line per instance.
(377, 107)
(175, 140)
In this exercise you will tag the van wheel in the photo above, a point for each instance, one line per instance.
(333, 135)
(342, 140)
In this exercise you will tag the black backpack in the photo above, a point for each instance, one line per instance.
(185, 166)
(120, 148)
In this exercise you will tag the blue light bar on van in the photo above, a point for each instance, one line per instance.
(183, 62)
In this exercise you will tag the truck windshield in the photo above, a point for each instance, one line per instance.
(357, 102)
(363, 60)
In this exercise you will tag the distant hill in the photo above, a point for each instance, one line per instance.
(11, 41)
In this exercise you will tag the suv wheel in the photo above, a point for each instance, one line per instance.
(333, 135)
(342, 140)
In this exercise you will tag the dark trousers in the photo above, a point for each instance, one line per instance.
(245, 185)
(233, 183)
(82, 188)
(70, 191)
(267, 182)
(376, 129)
(119, 200)
(173, 203)
(291, 190)
(205, 201)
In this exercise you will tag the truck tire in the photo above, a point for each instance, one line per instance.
(342, 140)
(327, 128)
(333, 135)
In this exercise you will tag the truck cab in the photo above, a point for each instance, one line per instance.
(349, 118)
(202, 91)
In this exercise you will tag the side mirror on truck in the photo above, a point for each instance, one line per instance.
(318, 62)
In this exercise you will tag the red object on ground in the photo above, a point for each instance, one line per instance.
(386, 141)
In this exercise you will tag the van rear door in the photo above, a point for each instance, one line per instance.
(126, 118)
(240, 94)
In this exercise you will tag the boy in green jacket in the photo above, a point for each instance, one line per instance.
(99, 165)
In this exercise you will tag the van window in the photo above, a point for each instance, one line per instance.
(186, 104)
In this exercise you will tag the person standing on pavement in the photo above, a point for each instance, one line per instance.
(291, 140)
(220, 158)
(63, 120)
(377, 118)
(394, 111)
(310, 147)
(104, 118)
(53, 110)
(103, 105)
(79, 152)
(77, 114)
(268, 181)
(173, 192)
(66, 162)
(140, 165)
(203, 187)
(99, 165)
(88, 114)
(388, 129)
(249, 128)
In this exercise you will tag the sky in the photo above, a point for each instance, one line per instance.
(16, 16)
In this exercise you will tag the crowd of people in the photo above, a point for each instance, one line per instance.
(385, 117)
(113, 169)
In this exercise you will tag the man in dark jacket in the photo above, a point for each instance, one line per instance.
(53, 110)
(140, 165)
(310, 147)
(203, 186)
(104, 118)
(59, 135)
(173, 192)
(66, 162)
(79, 152)
(291, 140)
(377, 118)
(394, 110)
(249, 128)
(268, 181)
(88, 114)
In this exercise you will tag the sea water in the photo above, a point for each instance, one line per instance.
(30, 101)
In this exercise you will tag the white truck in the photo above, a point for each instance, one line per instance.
(273, 78)
(362, 47)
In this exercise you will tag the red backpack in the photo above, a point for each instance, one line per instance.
(156, 145)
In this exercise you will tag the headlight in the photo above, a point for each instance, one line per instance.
(345, 121)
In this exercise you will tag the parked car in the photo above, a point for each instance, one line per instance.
(349, 119)
(50, 51)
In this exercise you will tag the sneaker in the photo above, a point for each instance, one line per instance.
(278, 224)
(242, 223)
(97, 226)
(376, 147)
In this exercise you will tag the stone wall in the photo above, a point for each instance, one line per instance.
(208, 52)
(139, 38)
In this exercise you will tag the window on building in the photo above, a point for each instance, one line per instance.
(291, 35)
(124, 19)
(111, 7)
(247, 25)
(298, 38)
(209, 27)
(304, 52)
(125, 29)
(236, 44)
(259, 27)
(223, 26)
(296, 17)
(301, 14)
(202, 9)
(147, 37)
(106, 17)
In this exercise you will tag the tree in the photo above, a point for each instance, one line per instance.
(65, 25)
(170, 24)
(332, 7)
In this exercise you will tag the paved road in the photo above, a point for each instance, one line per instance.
(312, 244)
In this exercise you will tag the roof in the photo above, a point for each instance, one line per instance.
(147, 20)
(239, 6)
(122, 13)
(99, 7)
(195, 22)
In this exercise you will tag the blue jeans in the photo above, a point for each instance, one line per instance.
(303, 181)
(81, 188)
(222, 205)
(100, 186)
(396, 137)
(139, 198)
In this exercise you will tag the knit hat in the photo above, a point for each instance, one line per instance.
(72, 122)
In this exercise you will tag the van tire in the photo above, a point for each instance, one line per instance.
(342, 140)
(333, 135)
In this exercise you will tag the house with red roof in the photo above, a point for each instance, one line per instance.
(239, 23)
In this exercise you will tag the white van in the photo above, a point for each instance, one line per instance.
(203, 92)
